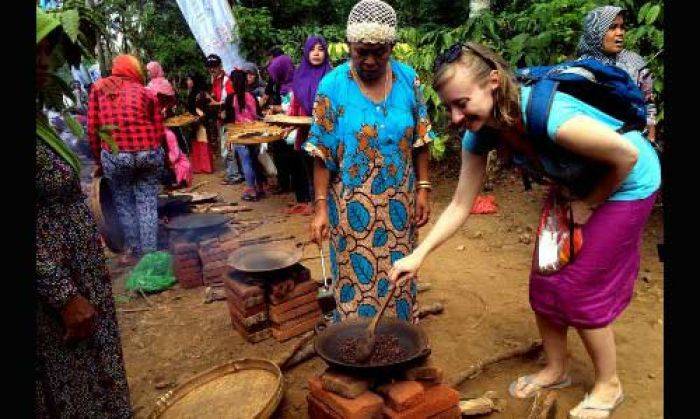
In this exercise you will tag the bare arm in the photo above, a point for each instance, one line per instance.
(422, 214)
(319, 224)
(471, 178)
(590, 138)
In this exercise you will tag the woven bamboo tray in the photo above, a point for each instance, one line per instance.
(240, 389)
(253, 133)
(281, 119)
(105, 213)
(181, 120)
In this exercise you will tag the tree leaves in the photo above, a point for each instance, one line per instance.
(70, 20)
(73, 125)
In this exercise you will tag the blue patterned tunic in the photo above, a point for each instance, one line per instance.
(368, 146)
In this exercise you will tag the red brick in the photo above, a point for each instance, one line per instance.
(215, 271)
(452, 413)
(244, 290)
(246, 311)
(208, 243)
(299, 289)
(214, 265)
(344, 385)
(253, 337)
(365, 406)
(438, 399)
(293, 303)
(319, 410)
(184, 247)
(295, 327)
(248, 322)
(249, 303)
(403, 395)
(295, 312)
(185, 263)
(189, 281)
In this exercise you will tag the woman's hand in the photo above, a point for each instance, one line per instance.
(78, 319)
(422, 215)
(582, 211)
(319, 223)
(404, 269)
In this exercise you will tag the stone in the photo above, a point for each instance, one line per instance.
(344, 385)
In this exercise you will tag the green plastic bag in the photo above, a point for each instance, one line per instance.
(153, 273)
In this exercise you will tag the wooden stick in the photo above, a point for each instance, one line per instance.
(198, 185)
(474, 370)
(305, 338)
(133, 310)
(305, 353)
(544, 406)
(435, 308)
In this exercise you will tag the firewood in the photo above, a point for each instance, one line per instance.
(544, 406)
(473, 371)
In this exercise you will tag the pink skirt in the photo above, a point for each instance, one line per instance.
(597, 286)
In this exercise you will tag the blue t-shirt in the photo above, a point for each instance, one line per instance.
(642, 181)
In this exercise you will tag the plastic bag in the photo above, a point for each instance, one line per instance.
(291, 138)
(266, 162)
(556, 236)
(153, 273)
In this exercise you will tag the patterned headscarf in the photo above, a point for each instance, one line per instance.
(595, 25)
(281, 70)
(308, 76)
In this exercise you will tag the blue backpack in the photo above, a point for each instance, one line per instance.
(605, 87)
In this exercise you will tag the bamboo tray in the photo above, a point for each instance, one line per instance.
(244, 388)
(280, 119)
(181, 120)
(253, 133)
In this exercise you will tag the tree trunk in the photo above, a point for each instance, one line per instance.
(477, 7)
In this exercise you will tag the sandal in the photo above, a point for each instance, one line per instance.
(529, 380)
(249, 196)
(590, 404)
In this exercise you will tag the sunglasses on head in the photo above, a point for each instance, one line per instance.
(452, 53)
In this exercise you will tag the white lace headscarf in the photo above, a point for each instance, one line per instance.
(372, 22)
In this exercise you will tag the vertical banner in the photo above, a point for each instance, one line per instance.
(213, 26)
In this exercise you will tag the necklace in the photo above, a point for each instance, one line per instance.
(360, 84)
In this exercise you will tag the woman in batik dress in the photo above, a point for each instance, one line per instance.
(369, 137)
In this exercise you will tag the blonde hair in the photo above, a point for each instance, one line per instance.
(480, 61)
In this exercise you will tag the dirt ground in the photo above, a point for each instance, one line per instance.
(480, 275)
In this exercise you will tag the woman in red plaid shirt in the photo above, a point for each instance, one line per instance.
(121, 104)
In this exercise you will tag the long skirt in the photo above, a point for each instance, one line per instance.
(597, 286)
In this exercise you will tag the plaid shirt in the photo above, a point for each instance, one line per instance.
(134, 111)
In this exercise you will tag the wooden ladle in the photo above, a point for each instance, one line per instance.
(365, 346)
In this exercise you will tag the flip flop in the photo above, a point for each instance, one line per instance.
(528, 379)
(589, 404)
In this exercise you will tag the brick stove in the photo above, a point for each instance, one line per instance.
(281, 303)
(421, 395)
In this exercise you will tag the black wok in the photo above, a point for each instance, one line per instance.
(261, 258)
(411, 337)
(196, 221)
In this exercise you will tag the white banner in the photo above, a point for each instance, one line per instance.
(213, 26)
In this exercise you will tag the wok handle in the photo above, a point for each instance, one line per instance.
(320, 327)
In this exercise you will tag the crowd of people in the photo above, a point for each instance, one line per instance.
(362, 171)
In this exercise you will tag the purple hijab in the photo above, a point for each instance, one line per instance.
(281, 70)
(308, 76)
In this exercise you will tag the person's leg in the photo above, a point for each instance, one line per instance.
(118, 170)
(600, 345)
(146, 188)
(554, 343)
(300, 181)
(281, 159)
(247, 165)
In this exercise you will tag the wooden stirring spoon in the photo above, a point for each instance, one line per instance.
(365, 346)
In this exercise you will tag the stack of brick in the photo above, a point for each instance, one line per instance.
(186, 264)
(294, 308)
(214, 255)
(245, 298)
(339, 396)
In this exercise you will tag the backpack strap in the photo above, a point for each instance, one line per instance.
(538, 107)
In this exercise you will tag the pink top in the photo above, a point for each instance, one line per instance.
(249, 113)
(178, 159)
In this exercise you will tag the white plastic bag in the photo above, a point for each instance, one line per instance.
(266, 161)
